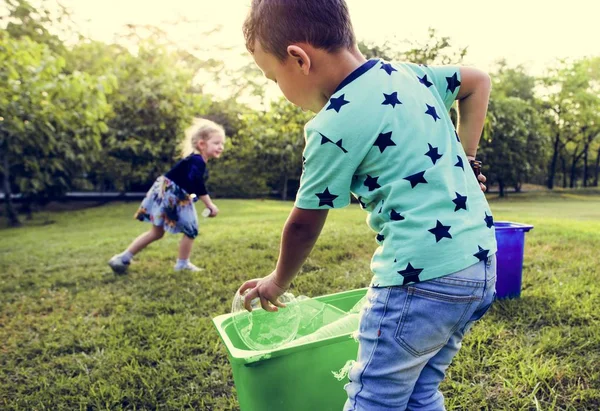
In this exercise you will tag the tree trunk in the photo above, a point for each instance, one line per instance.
(564, 171)
(285, 187)
(501, 188)
(597, 168)
(585, 164)
(552, 170)
(572, 177)
(13, 218)
(576, 158)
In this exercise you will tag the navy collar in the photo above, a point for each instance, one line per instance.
(356, 74)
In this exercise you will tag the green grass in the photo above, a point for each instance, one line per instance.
(75, 336)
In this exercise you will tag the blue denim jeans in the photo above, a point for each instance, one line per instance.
(409, 334)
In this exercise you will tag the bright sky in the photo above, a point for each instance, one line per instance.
(532, 32)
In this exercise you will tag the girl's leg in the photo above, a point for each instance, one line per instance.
(185, 247)
(185, 250)
(155, 233)
(120, 262)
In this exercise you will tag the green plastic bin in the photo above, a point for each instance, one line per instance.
(293, 378)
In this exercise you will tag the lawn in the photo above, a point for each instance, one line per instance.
(75, 336)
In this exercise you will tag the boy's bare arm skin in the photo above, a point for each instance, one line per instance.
(473, 98)
(300, 233)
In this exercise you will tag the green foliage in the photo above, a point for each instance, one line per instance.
(264, 154)
(511, 147)
(152, 107)
(435, 50)
(52, 121)
(37, 23)
(75, 336)
(515, 143)
(572, 106)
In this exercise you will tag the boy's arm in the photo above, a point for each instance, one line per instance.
(473, 97)
(300, 233)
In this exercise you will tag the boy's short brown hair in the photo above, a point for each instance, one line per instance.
(276, 24)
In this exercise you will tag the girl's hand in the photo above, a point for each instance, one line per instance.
(213, 210)
(266, 289)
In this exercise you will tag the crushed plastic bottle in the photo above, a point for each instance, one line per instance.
(264, 330)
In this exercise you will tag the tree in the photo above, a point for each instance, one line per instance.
(52, 121)
(26, 20)
(266, 152)
(153, 104)
(511, 146)
(435, 50)
(572, 103)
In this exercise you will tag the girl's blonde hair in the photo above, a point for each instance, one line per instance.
(201, 129)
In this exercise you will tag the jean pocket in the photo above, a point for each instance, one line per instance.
(430, 317)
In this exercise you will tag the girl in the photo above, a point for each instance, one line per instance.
(169, 202)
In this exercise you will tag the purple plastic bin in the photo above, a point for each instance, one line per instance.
(511, 243)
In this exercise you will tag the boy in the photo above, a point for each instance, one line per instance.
(382, 131)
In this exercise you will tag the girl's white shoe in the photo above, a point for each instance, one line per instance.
(188, 266)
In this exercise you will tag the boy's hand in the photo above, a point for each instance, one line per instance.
(476, 165)
(481, 178)
(266, 289)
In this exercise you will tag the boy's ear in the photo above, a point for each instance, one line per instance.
(299, 57)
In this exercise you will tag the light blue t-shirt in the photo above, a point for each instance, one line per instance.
(386, 136)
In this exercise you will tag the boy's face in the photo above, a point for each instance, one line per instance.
(289, 76)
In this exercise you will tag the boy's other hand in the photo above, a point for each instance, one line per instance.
(266, 289)
(482, 179)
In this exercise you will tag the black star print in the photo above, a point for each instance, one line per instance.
(325, 140)
(391, 99)
(394, 216)
(371, 182)
(457, 137)
(460, 201)
(380, 238)
(388, 68)
(482, 254)
(380, 208)
(453, 83)
(336, 103)
(423, 80)
(326, 198)
(410, 274)
(384, 140)
(433, 153)
(431, 111)
(459, 163)
(440, 231)
(489, 220)
(416, 179)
